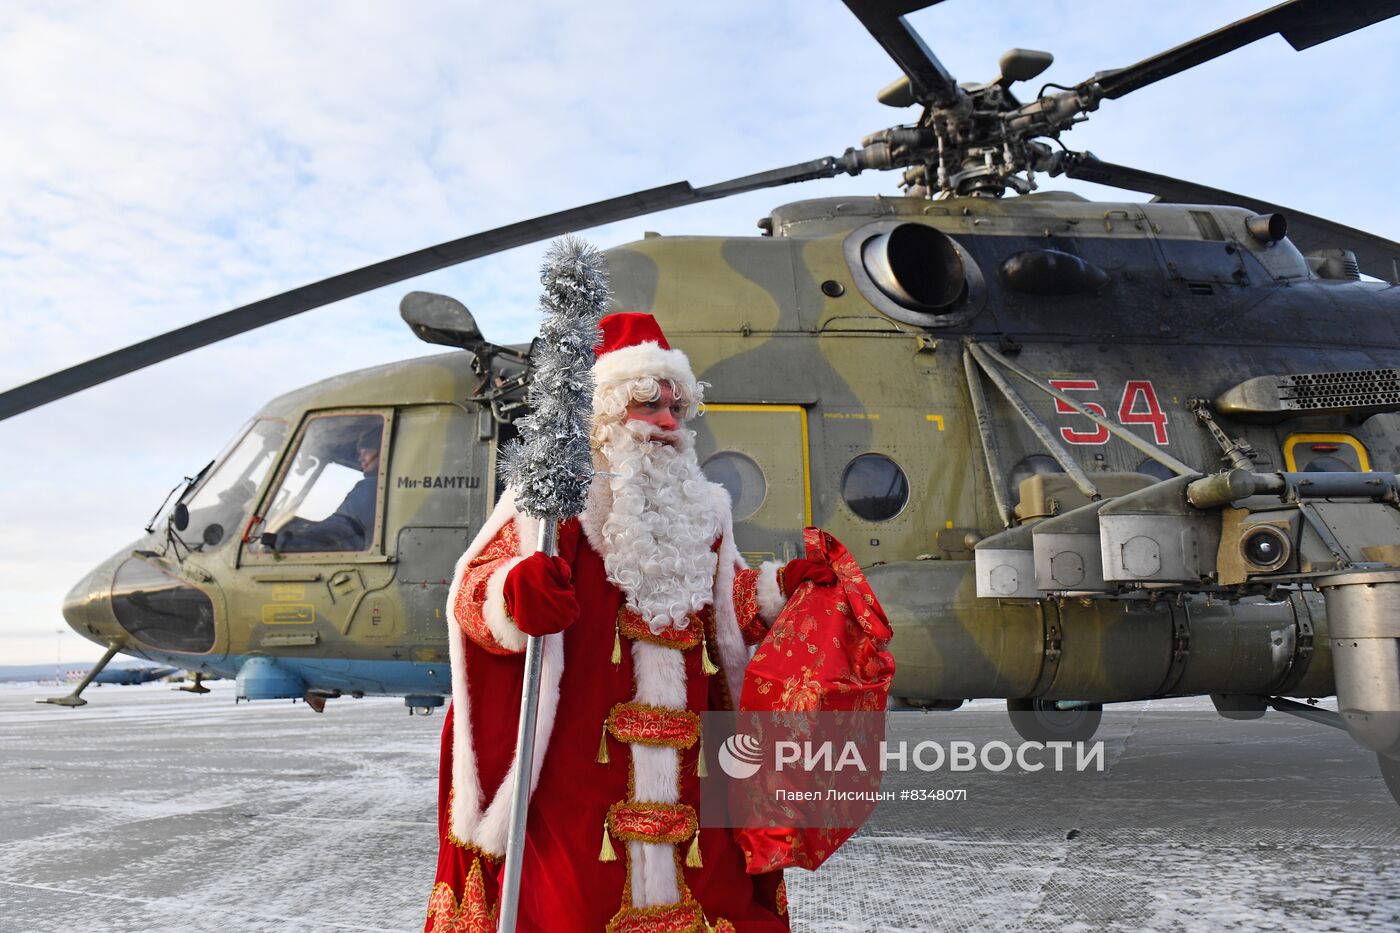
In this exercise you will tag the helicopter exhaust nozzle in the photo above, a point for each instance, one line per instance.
(917, 267)
(1364, 614)
(1267, 228)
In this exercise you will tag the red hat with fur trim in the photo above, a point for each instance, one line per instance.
(634, 347)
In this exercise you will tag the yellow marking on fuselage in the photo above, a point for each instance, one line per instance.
(806, 457)
(288, 614)
(1291, 462)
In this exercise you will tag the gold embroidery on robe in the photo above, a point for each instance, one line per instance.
(473, 915)
(685, 917)
(638, 821)
(644, 724)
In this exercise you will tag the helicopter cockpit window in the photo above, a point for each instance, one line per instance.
(161, 610)
(874, 487)
(741, 477)
(220, 503)
(328, 499)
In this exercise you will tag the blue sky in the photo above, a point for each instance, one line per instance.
(161, 162)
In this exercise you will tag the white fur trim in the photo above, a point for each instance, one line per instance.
(653, 874)
(733, 653)
(770, 596)
(656, 771)
(644, 359)
(466, 798)
(502, 626)
(468, 821)
(660, 675)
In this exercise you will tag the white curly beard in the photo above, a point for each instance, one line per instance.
(654, 522)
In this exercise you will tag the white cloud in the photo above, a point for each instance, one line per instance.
(162, 162)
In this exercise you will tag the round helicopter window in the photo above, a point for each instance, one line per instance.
(1031, 466)
(874, 487)
(1153, 468)
(741, 477)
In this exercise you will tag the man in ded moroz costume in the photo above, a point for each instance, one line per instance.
(647, 614)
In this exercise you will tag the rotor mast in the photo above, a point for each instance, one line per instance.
(979, 140)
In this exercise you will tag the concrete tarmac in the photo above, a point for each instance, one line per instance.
(153, 810)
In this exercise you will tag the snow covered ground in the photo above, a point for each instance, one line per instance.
(155, 810)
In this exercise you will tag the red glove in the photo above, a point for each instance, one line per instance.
(799, 571)
(539, 594)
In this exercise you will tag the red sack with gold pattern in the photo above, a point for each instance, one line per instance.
(827, 651)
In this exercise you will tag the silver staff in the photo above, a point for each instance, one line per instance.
(550, 467)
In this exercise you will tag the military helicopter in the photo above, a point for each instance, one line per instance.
(1088, 451)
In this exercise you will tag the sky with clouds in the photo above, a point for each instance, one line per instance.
(162, 161)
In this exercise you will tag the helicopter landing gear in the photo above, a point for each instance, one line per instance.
(197, 686)
(75, 699)
(1045, 721)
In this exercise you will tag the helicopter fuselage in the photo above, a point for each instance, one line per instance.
(839, 396)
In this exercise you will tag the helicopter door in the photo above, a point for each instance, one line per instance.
(759, 453)
(316, 549)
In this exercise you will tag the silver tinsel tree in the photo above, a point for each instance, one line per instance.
(550, 465)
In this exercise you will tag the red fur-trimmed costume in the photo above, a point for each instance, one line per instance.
(605, 755)
(667, 612)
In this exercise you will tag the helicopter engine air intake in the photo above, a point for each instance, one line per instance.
(917, 266)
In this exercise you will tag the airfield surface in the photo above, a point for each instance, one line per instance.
(152, 810)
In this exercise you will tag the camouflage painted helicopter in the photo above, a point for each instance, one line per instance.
(1088, 452)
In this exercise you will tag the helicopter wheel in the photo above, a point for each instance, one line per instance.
(1390, 773)
(1042, 721)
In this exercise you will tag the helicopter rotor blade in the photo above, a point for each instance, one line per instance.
(1375, 255)
(1304, 23)
(349, 284)
(930, 81)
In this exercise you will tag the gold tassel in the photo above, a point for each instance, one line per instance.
(607, 853)
(617, 645)
(603, 758)
(692, 857)
(706, 664)
(700, 769)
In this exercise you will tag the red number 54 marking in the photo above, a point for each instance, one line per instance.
(1138, 405)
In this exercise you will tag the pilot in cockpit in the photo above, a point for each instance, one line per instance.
(351, 526)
